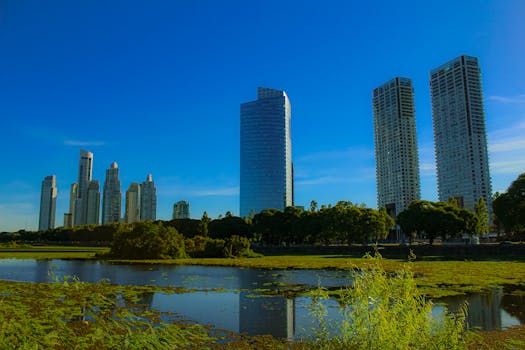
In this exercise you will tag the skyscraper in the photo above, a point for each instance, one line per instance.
(266, 153)
(148, 199)
(181, 210)
(92, 203)
(460, 137)
(132, 213)
(112, 199)
(69, 217)
(48, 199)
(85, 170)
(397, 166)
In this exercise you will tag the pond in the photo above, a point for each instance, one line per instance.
(230, 297)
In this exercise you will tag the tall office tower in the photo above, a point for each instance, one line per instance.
(132, 213)
(181, 210)
(85, 170)
(112, 200)
(48, 201)
(93, 203)
(266, 153)
(148, 199)
(397, 166)
(459, 132)
(69, 217)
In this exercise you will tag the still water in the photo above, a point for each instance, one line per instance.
(238, 305)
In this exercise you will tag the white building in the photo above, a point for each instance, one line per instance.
(112, 197)
(85, 171)
(132, 213)
(93, 203)
(69, 217)
(266, 179)
(148, 199)
(459, 132)
(397, 163)
(181, 210)
(48, 199)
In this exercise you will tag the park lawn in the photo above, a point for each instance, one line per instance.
(50, 252)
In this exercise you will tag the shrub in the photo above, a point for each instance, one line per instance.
(383, 311)
(148, 240)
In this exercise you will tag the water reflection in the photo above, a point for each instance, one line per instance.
(239, 305)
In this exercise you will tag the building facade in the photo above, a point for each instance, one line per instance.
(48, 200)
(265, 153)
(460, 139)
(132, 213)
(85, 172)
(112, 197)
(69, 220)
(148, 199)
(181, 210)
(92, 203)
(397, 161)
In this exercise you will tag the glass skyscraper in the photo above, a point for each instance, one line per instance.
(459, 132)
(112, 200)
(266, 153)
(85, 171)
(397, 164)
(48, 200)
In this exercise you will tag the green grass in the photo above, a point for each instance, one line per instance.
(8, 251)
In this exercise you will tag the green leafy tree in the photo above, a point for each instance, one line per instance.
(482, 216)
(203, 226)
(509, 207)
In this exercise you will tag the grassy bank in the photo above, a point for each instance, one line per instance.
(10, 251)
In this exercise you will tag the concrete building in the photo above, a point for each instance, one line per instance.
(265, 153)
(112, 197)
(93, 203)
(148, 199)
(48, 200)
(69, 217)
(132, 213)
(181, 210)
(460, 139)
(85, 172)
(397, 161)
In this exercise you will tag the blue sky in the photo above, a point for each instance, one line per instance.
(156, 86)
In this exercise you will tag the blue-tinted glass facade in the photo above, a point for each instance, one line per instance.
(266, 153)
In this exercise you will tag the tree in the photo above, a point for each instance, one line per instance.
(313, 206)
(509, 207)
(203, 226)
(482, 215)
(148, 240)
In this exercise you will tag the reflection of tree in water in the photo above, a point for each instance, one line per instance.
(514, 305)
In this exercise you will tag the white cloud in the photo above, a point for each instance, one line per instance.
(508, 99)
(352, 152)
(516, 166)
(226, 191)
(83, 143)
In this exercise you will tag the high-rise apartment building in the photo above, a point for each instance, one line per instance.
(112, 198)
(48, 199)
(181, 210)
(459, 132)
(92, 203)
(132, 213)
(85, 171)
(397, 165)
(69, 217)
(148, 199)
(266, 153)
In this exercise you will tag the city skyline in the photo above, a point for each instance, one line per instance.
(136, 88)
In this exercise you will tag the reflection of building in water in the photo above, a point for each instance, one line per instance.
(266, 315)
(483, 309)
